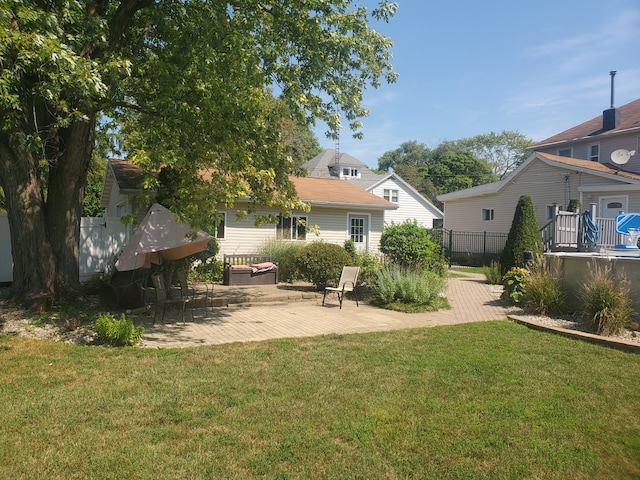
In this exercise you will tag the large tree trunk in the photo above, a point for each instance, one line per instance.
(45, 233)
(33, 262)
(67, 182)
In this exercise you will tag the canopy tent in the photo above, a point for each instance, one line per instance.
(160, 236)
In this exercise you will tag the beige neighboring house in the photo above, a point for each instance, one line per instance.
(410, 203)
(551, 181)
(339, 210)
(574, 164)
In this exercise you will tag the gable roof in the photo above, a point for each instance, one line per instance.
(321, 166)
(128, 177)
(316, 191)
(327, 165)
(629, 120)
(408, 187)
(577, 165)
(336, 192)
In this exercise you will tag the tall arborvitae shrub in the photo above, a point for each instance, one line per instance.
(524, 235)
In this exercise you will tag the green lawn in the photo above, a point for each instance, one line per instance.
(486, 400)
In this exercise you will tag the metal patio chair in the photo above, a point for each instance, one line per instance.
(348, 283)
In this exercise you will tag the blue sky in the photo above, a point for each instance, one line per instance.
(472, 67)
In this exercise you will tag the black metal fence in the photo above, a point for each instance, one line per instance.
(470, 248)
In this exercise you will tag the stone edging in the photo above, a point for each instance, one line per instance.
(589, 337)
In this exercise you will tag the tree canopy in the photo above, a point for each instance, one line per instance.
(503, 151)
(447, 168)
(188, 84)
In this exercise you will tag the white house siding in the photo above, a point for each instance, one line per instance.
(545, 184)
(334, 227)
(244, 237)
(410, 205)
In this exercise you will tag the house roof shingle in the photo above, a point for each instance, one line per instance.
(332, 191)
(128, 175)
(629, 119)
(317, 191)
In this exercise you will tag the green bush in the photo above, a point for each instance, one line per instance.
(283, 253)
(204, 266)
(350, 247)
(117, 333)
(606, 301)
(515, 281)
(369, 265)
(410, 246)
(92, 286)
(544, 293)
(492, 273)
(404, 286)
(523, 235)
(321, 262)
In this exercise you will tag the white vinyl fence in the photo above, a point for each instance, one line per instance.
(101, 239)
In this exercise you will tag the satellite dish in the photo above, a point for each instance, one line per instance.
(621, 156)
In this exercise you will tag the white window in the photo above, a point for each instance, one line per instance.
(356, 230)
(487, 214)
(221, 225)
(390, 195)
(348, 172)
(565, 152)
(292, 228)
(594, 152)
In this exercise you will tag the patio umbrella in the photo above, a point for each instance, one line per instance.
(160, 237)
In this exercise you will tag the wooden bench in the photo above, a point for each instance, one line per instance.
(249, 269)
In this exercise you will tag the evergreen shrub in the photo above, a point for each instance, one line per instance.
(523, 235)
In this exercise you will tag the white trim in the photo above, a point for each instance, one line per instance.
(608, 188)
(589, 147)
(367, 232)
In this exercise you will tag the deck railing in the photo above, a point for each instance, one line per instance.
(561, 233)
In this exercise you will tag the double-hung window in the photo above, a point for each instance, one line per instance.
(594, 152)
(390, 195)
(349, 172)
(292, 228)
